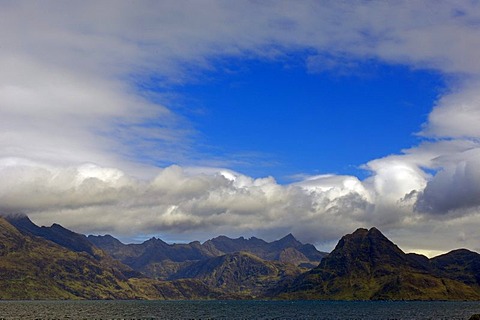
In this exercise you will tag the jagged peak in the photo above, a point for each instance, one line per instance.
(154, 240)
(360, 231)
(363, 232)
(374, 230)
(370, 242)
(289, 239)
(289, 236)
(106, 237)
(220, 237)
(58, 227)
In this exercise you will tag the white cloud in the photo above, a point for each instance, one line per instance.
(457, 114)
(89, 198)
(69, 70)
(395, 177)
(455, 188)
(69, 95)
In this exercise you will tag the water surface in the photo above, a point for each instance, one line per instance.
(331, 310)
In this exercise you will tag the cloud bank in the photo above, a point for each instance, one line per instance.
(79, 134)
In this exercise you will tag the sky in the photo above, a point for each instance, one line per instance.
(185, 120)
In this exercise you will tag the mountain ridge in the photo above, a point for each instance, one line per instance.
(161, 260)
(57, 263)
(35, 268)
(365, 265)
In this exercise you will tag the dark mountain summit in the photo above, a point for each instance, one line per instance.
(69, 240)
(365, 265)
(107, 243)
(56, 233)
(154, 257)
(161, 260)
(34, 267)
(364, 252)
(227, 245)
(288, 249)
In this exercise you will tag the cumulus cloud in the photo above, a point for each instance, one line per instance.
(75, 120)
(455, 188)
(457, 114)
(93, 199)
(89, 198)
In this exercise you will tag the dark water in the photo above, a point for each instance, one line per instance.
(235, 310)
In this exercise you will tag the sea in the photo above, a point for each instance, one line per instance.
(203, 310)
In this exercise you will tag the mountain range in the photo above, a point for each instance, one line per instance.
(57, 263)
(158, 259)
(49, 263)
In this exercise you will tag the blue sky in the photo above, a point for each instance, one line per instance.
(189, 119)
(281, 119)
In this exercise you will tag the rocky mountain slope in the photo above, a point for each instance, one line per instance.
(163, 261)
(154, 257)
(288, 249)
(69, 240)
(241, 274)
(32, 267)
(366, 265)
(461, 265)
